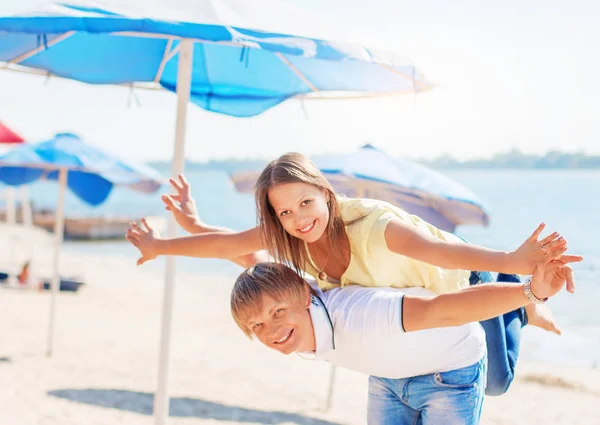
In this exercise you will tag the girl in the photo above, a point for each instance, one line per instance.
(343, 241)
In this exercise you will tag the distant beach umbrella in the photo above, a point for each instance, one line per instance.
(86, 170)
(8, 136)
(92, 172)
(371, 173)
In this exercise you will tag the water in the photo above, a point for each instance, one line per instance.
(566, 200)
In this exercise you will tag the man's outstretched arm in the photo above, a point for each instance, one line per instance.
(482, 302)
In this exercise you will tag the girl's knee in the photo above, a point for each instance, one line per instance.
(499, 385)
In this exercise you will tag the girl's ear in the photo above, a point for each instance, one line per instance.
(326, 194)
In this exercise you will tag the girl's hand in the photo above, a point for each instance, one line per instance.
(182, 205)
(531, 252)
(145, 239)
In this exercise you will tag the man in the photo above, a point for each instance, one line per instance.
(425, 354)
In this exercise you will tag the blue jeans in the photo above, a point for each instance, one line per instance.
(448, 398)
(503, 337)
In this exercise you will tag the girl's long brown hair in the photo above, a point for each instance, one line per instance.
(294, 168)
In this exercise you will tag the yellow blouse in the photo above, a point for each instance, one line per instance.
(373, 264)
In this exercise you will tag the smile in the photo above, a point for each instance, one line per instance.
(284, 338)
(308, 228)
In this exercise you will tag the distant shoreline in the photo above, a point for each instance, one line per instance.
(514, 160)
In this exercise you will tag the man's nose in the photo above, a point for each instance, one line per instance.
(274, 332)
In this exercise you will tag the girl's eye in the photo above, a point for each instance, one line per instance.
(256, 326)
(284, 213)
(305, 202)
(279, 310)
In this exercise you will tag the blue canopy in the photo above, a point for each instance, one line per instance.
(371, 173)
(92, 172)
(238, 71)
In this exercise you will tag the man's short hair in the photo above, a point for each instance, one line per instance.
(273, 279)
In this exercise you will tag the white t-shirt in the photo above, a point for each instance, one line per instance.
(361, 329)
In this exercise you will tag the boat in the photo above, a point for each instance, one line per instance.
(92, 228)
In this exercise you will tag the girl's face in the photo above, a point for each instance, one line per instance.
(301, 209)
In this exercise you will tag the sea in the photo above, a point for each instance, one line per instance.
(517, 201)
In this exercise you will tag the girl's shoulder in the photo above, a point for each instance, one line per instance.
(355, 208)
(363, 216)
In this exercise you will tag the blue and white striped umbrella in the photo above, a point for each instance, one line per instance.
(238, 68)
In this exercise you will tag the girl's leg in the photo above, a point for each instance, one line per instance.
(503, 337)
(539, 315)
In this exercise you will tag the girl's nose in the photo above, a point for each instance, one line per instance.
(302, 220)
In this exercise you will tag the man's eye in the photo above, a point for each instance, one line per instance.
(279, 310)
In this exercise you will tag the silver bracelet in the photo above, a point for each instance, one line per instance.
(531, 296)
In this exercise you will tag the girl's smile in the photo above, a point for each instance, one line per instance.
(307, 229)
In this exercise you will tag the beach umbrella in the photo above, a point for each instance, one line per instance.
(8, 136)
(233, 57)
(371, 173)
(86, 170)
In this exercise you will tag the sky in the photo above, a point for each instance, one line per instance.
(508, 74)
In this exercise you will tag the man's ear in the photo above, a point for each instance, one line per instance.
(308, 296)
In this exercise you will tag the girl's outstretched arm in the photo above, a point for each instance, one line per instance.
(246, 260)
(205, 245)
(410, 241)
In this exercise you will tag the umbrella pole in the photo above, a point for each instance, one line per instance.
(332, 371)
(26, 210)
(184, 82)
(59, 227)
(11, 218)
(11, 206)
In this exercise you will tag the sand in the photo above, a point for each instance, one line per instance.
(104, 366)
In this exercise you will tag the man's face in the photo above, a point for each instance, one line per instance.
(284, 325)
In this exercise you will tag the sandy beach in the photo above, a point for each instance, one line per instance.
(106, 355)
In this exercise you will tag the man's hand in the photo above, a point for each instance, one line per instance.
(550, 276)
(182, 205)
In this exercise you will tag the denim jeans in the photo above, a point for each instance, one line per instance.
(448, 398)
(503, 338)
